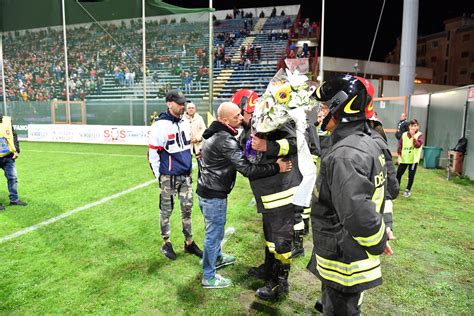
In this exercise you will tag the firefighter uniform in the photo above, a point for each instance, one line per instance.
(393, 187)
(348, 229)
(274, 196)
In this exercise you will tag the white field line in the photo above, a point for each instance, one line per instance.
(72, 212)
(86, 153)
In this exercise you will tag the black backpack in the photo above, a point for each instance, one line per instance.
(461, 145)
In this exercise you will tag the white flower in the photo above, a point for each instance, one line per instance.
(296, 80)
(286, 91)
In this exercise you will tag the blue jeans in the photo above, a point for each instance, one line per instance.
(214, 211)
(9, 168)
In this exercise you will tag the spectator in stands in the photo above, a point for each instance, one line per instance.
(100, 84)
(198, 79)
(305, 50)
(227, 61)
(129, 78)
(262, 14)
(306, 27)
(9, 152)
(258, 50)
(92, 86)
(313, 29)
(188, 82)
(292, 54)
(247, 63)
(235, 12)
(274, 12)
(155, 79)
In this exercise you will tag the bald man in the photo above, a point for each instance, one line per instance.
(222, 157)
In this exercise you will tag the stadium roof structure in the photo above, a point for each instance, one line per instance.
(29, 14)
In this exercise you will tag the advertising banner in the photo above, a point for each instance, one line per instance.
(300, 64)
(97, 134)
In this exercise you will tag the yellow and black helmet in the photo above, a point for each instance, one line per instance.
(345, 96)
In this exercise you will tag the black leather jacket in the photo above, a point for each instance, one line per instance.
(222, 157)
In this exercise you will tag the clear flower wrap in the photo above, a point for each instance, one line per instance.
(285, 92)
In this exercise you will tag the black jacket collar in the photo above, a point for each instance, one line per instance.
(346, 129)
(216, 127)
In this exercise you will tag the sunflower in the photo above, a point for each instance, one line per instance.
(282, 95)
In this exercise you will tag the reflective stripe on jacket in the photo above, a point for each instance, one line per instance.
(275, 193)
(7, 144)
(348, 228)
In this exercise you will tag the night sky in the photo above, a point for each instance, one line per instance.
(350, 25)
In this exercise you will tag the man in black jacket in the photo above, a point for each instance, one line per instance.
(349, 233)
(222, 157)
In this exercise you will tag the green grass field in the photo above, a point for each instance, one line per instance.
(105, 258)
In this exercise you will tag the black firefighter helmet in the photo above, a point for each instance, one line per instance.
(345, 96)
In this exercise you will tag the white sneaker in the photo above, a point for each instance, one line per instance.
(406, 193)
(217, 282)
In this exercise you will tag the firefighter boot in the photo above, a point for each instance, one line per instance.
(263, 271)
(298, 249)
(306, 226)
(277, 287)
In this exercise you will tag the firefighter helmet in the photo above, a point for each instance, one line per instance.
(369, 110)
(345, 96)
(245, 99)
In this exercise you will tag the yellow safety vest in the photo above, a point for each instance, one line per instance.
(7, 146)
(409, 154)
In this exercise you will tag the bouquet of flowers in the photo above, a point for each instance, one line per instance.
(286, 92)
(286, 98)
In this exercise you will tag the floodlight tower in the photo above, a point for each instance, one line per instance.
(408, 49)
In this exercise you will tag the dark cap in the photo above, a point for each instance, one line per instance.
(176, 96)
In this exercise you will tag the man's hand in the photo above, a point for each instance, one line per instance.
(388, 250)
(390, 234)
(199, 154)
(194, 140)
(259, 144)
(285, 166)
(15, 155)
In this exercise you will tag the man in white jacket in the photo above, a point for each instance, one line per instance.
(169, 154)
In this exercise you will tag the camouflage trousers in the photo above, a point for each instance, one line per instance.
(170, 186)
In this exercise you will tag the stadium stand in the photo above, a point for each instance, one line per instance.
(105, 61)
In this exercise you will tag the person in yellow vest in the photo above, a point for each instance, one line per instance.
(409, 153)
(153, 117)
(9, 151)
